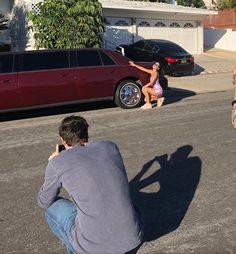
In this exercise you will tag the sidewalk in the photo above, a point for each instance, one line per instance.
(220, 53)
(215, 61)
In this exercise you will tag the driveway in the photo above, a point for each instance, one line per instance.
(212, 72)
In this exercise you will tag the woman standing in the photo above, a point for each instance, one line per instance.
(152, 90)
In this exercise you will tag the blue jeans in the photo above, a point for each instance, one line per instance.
(60, 217)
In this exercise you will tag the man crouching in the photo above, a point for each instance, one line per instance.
(100, 216)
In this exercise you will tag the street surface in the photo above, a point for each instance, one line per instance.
(180, 161)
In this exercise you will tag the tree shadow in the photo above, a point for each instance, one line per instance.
(171, 189)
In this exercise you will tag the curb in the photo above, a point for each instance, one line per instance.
(212, 72)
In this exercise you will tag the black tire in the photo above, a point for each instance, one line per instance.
(128, 94)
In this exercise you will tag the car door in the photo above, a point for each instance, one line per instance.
(96, 74)
(9, 90)
(45, 78)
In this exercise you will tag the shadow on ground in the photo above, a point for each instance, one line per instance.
(173, 95)
(171, 189)
(197, 69)
(73, 108)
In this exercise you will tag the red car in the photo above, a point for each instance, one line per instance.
(54, 77)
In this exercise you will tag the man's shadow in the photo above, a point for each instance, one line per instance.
(170, 191)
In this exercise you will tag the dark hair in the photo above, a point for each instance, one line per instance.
(74, 130)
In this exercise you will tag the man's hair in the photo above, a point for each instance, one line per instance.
(74, 130)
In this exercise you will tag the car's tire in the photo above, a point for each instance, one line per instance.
(128, 94)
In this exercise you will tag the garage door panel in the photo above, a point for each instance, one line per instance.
(182, 32)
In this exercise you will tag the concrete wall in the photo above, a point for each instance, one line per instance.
(220, 38)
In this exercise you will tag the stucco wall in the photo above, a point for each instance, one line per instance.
(220, 38)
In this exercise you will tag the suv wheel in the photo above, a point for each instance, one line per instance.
(128, 94)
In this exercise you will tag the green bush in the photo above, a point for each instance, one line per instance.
(226, 4)
(67, 24)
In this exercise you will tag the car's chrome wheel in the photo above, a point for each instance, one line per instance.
(128, 94)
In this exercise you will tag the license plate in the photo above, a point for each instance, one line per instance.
(183, 61)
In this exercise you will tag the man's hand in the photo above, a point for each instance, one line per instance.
(55, 153)
(234, 73)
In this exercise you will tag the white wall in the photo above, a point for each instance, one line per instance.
(220, 38)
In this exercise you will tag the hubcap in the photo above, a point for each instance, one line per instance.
(130, 94)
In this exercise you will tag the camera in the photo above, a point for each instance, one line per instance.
(61, 148)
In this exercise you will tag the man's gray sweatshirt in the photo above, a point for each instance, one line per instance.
(95, 178)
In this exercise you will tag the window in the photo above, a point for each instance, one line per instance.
(108, 23)
(106, 59)
(174, 24)
(170, 48)
(160, 24)
(188, 24)
(72, 54)
(121, 23)
(144, 23)
(6, 63)
(42, 60)
(88, 58)
(152, 47)
(139, 44)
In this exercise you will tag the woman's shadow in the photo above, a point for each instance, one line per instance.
(170, 191)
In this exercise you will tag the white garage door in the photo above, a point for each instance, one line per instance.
(183, 33)
(117, 31)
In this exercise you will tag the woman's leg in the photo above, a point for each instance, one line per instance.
(60, 217)
(151, 94)
(147, 105)
(156, 94)
(146, 94)
(160, 101)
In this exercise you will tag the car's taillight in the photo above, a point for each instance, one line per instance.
(171, 60)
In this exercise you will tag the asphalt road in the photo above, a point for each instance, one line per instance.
(180, 160)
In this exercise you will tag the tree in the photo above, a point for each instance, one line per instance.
(67, 24)
(3, 22)
(226, 4)
(193, 3)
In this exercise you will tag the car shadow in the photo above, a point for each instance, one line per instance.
(171, 188)
(197, 69)
(172, 95)
(72, 108)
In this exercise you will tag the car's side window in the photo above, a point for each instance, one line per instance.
(106, 59)
(139, 44)
(42, 60)
(148, 47)
(152, 47)
(88, 58)
(72, 56)
(6, 63)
